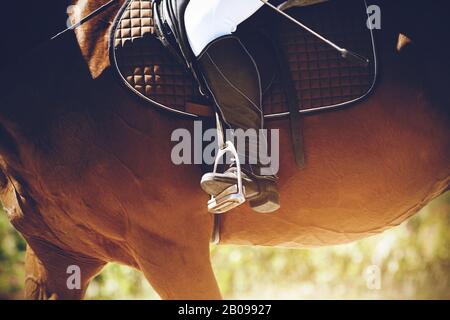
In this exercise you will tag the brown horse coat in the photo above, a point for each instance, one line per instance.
(87, 177)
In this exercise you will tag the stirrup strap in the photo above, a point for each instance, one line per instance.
(234, 195)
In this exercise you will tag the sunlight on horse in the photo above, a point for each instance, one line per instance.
(87, 179)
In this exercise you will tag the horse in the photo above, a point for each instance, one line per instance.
(87, 179)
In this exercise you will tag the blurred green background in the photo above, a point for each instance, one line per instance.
(413, 260)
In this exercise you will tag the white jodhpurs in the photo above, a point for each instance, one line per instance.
(207, 20)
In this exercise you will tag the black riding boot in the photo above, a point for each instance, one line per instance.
(234, 84)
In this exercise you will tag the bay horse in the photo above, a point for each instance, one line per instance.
(86, 175)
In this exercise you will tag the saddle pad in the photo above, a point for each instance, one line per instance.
(322, 79)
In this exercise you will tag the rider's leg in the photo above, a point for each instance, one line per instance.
(207, 20)
(229, 75)
(236, 91)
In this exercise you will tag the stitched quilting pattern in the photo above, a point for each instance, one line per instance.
(321, 77)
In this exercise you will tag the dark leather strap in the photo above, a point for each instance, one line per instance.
(291, 94)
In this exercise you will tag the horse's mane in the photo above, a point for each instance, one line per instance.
(93, 35)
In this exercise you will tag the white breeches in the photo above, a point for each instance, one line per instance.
(207, 20)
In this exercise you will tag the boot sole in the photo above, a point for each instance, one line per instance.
(214, 185)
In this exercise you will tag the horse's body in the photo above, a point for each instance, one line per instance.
(87, 176)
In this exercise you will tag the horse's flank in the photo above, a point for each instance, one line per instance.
(87, 177)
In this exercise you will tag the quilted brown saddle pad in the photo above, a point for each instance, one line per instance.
(321, 78)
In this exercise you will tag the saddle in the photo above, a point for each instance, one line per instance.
(300, 74)
(321, 79)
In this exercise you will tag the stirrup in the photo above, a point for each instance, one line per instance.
(233, 196)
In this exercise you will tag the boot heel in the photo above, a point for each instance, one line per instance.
(268, 200)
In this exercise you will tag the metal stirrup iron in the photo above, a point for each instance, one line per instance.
(233, 196)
